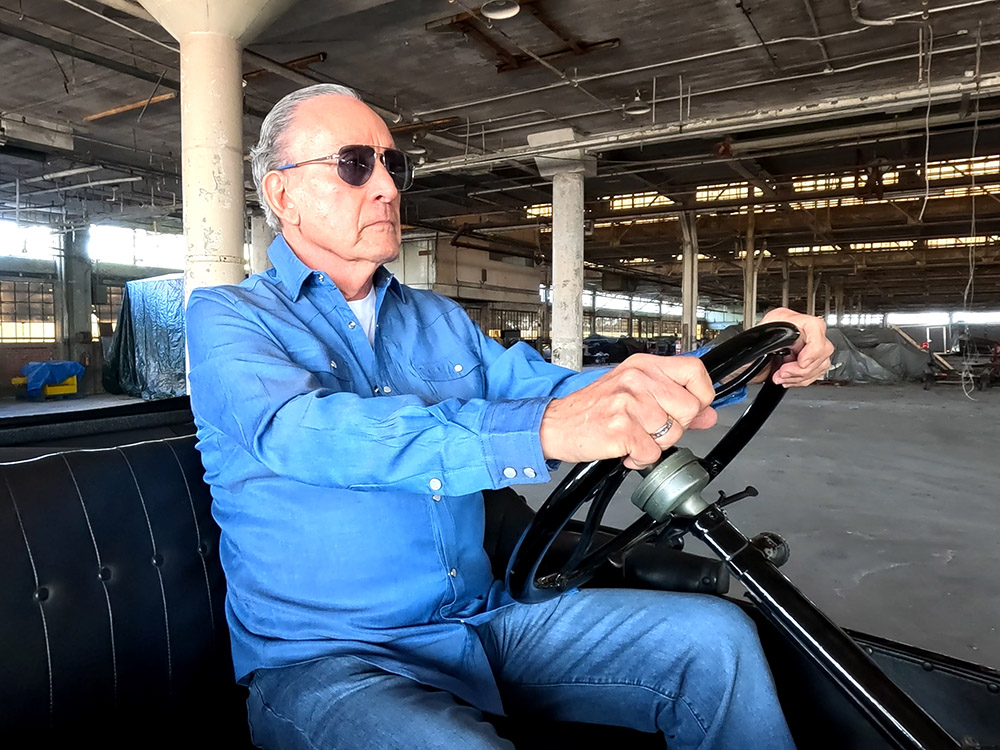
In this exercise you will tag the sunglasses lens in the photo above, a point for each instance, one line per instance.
(355, 164)
(399, 166)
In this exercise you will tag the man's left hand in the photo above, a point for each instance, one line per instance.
(810, 357)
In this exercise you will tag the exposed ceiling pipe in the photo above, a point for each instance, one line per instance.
(856, 15)
(819, 41)
(52, 176)
(84, 185)
(712, 128)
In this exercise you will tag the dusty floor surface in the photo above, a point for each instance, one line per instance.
(890, 499)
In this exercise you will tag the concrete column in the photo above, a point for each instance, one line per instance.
(750, 276)
(567, 269)
(810, 291)
(826, 300)
(211, 35)
(593, 314)
(784, 282)
(78, 295)
(212, 158)
(838, 298)
(631, 315)
(689, 281)
(260, 239)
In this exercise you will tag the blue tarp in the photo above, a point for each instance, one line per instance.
(40, 374)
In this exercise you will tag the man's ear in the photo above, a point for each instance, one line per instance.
(272, 187)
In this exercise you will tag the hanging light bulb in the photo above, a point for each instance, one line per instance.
(498, 10)
(636, 107)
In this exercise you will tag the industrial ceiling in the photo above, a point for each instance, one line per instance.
(818, 125)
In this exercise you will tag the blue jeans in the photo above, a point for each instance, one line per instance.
(689, 666)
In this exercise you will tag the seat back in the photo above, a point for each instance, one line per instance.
(111, 608)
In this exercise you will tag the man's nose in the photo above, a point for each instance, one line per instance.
(382, 185)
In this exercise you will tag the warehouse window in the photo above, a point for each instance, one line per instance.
(726, 192)
(632, 201)
(27, 311)
(136, 247)
(952, 168)
(106, 310)
(35, 242)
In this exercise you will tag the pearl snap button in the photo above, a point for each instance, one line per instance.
(453, 572)
(458, 368)
(352, 324)
(320, 278)
(386, 389)
(529, 473)
(436, 498)
(333, 364)
(435, 484)
(510, 472)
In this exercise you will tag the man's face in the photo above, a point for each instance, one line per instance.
(333, 220)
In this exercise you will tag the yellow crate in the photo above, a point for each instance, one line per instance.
(65, 388)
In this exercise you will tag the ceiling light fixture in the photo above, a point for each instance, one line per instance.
(498, 10)
(415, 148)
(636, 107)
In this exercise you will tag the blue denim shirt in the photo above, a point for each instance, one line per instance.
(346, 477)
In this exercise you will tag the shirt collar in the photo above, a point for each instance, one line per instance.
(293, 273)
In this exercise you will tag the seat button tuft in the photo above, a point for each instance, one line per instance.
(157, 560)
(203, 549)
(41, 594)
(104, 573)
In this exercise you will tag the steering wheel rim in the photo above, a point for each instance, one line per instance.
(597, 481)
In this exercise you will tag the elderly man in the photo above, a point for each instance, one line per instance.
(348, 425)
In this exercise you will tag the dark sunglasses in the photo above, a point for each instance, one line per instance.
(355, 165)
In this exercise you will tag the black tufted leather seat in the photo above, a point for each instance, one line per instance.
(111, 606)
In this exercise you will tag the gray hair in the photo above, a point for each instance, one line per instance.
(269, 153)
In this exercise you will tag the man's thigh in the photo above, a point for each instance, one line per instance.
(346, 704)
(687, 665)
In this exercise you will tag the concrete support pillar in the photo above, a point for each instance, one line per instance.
(260, 239)
(593, 314)
(838, 298)
(212, 158)
(78, 295)
(826, 300)
(631, 315)
(211, 35)
(750, 276)
(689, 281)
(810, 291)
(785, 284)
(567, 269)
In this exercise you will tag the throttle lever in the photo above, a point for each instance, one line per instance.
(725, 499)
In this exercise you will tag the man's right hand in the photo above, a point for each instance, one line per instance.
(616, 415)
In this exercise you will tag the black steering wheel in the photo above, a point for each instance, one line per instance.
(670, 489)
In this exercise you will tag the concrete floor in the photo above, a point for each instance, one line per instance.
(889, 497)
(12, 407)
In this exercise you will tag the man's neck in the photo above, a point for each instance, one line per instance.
(354, 279)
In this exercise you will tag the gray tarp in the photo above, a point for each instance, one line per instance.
(146, 356)
(875, 355)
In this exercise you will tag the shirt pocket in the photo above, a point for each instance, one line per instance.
(452, 375)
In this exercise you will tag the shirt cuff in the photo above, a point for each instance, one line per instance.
(512, 444)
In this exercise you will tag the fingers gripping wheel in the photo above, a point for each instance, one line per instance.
(671, 488)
